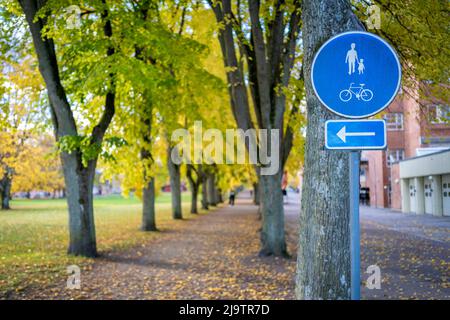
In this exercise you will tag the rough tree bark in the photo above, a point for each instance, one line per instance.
(78, 177)
(323, 265)
(175, 185)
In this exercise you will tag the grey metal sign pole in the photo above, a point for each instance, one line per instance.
(354, 226)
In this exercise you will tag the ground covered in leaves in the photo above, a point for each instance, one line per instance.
(215, 256)
(34, 235)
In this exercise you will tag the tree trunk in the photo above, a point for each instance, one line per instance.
(148, 192)
(211, 188)
(5, 192)
(78, 179)
(175, 186)
(194, 191)
(272, 215)
(256, 193)
(204, 194)
(148, 208)
(323, 265)
(217, 195)
(194, 184)
(79, 182)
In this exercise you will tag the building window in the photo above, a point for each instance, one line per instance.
(394, 156)
(439, 114)
(394, 121)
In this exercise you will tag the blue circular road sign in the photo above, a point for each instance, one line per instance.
(356, 74)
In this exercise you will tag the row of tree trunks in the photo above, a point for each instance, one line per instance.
(198, 178)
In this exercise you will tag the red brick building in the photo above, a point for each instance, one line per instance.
(412, 130)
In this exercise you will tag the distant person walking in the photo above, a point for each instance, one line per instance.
(284, 185)
(232, 197)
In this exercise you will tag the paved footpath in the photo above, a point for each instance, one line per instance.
(215, 256)
(412, 251)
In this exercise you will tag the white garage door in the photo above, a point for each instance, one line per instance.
(412, 195)
(428, 190)
(446, 194)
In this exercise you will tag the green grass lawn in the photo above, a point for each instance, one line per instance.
(34, 235)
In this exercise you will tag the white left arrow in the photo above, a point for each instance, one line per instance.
(343, 134)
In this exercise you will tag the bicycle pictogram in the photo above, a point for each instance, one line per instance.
(358, 91)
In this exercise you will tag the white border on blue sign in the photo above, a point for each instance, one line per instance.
(356, 147)
(386, 44)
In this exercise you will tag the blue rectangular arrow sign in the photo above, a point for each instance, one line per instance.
(355, 134)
